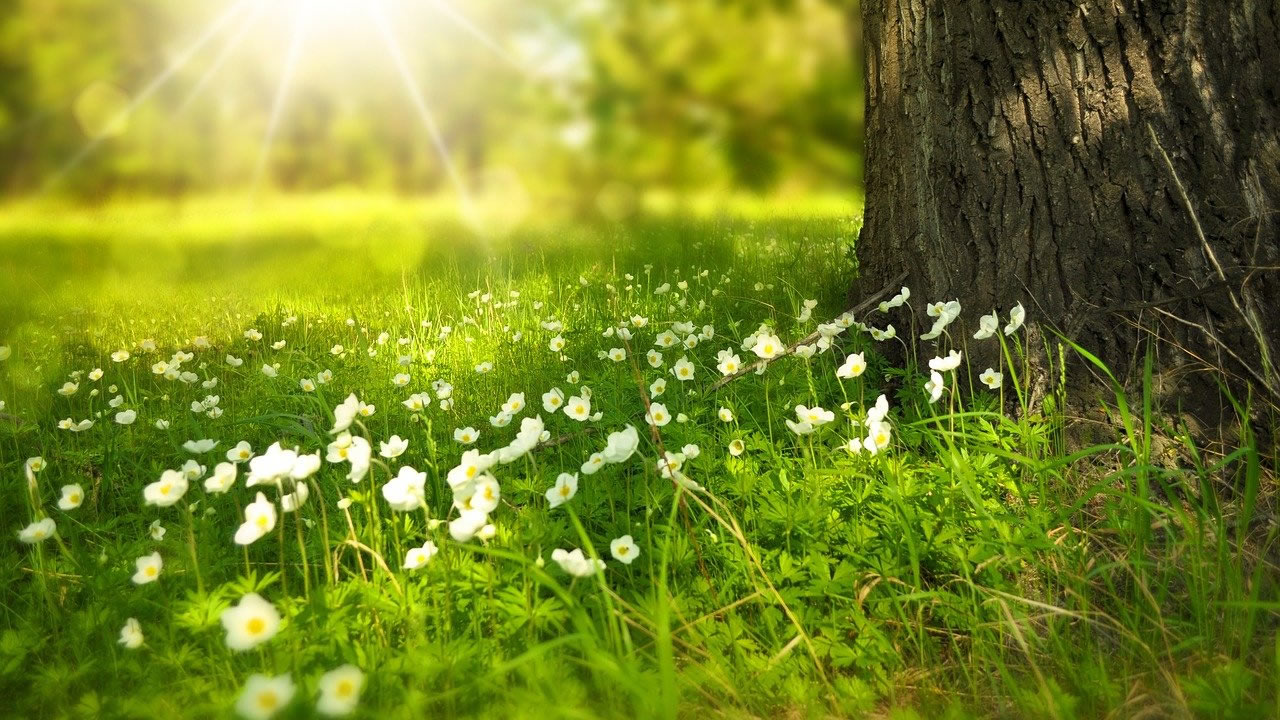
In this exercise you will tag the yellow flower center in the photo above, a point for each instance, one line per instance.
(164, 489)
(267, 700)
(74, 497)
(623, 550)
(658, 417)
(471, 471)
(150, 571)
(262, 521)
(345, 689)
(255, 626)
(564, 490)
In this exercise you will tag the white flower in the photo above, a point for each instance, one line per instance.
(946, 364)
(131, 634)
(484, 367)
(149, 567)
(340, 688)
(467, 524)
(657, 387)
(621, 445)
(269, 370)
(557, 344)
(987, 326)
(38, 531)
(259, 519)
(565, 488)
(729, 364)
(514, 404)
(162, 424)
(485, 495)
(654, 357)
(272, 466)
(473, 464)
(394, 447)
(420, 556)
(72, 496)
(617, 354)
(593, 463)
(657, 415)
(935, 386)
(166, 491)
(552, 400)
(417, 402)
(400, 380)
(877, 438)
(120, 356)
(737, 447)
(683, 369)
(991, 378)
(240, 453)
(1016, 317)
(815, 416)
(405, 492)
(345, 413)
(767, 346)
(198, 447)
(578, 408)
(466, 435)
(624, 549)
(290, 502)
(250, 622)
(854, 365)
(800, 428)
(500, 420)
(264, 696)
(575, 563)
(223, 477)
(68, 389)
(156, 530)
(307, 385)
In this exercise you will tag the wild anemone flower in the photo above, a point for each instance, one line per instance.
(242, 452)
(946, 364)
(148, 568)
(565, 488)
(467, 524)
(1016, 317)
(199, 447)
(264, 696)
(991, 378)
(729, 363)
(469, 469)
(657, 387)
(131, 634)
(126, 417)
(250, 622)
(394, 447)
(514, 404)
(259, 519)
(223, 477)
(624, 549)
(38, 531)
(166, 491)
(987, 326)
(576, 563)
(654, 357)
(935, 386)
(683, 369)
(657, 415)
(815, 416)
(406, 491)
(578, 408)
(72, 496)
(419, 557)
(340, 688)
(593, 463)
(737, 447)
(621, 445)
(767, 346)
(853, 366)
(466, 435)
(345, 414)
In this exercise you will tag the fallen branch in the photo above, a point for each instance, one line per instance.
(871, 300)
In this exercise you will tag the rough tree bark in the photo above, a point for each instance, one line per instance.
(1112, 164)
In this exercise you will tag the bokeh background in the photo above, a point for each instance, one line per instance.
(582, 108)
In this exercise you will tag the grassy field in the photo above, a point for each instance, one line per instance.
(973, 565)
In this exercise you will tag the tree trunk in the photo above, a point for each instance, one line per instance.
(1114, 165)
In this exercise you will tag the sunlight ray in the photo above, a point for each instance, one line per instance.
(419, 102)
(444, 8)
(297, 37)
(153, 86)
(232, 44)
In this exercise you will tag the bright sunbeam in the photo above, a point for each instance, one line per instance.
(444, 8)
(419, 103)
(152, 87)
(223, 55)
(297, 37)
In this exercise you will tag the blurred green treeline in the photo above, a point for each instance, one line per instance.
(589, 103)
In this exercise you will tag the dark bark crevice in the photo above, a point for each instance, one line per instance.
(1010, 157)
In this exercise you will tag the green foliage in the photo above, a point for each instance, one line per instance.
(977, 567)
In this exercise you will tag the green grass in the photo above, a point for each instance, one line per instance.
(980, 566)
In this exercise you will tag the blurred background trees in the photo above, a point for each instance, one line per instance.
(586, 104)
